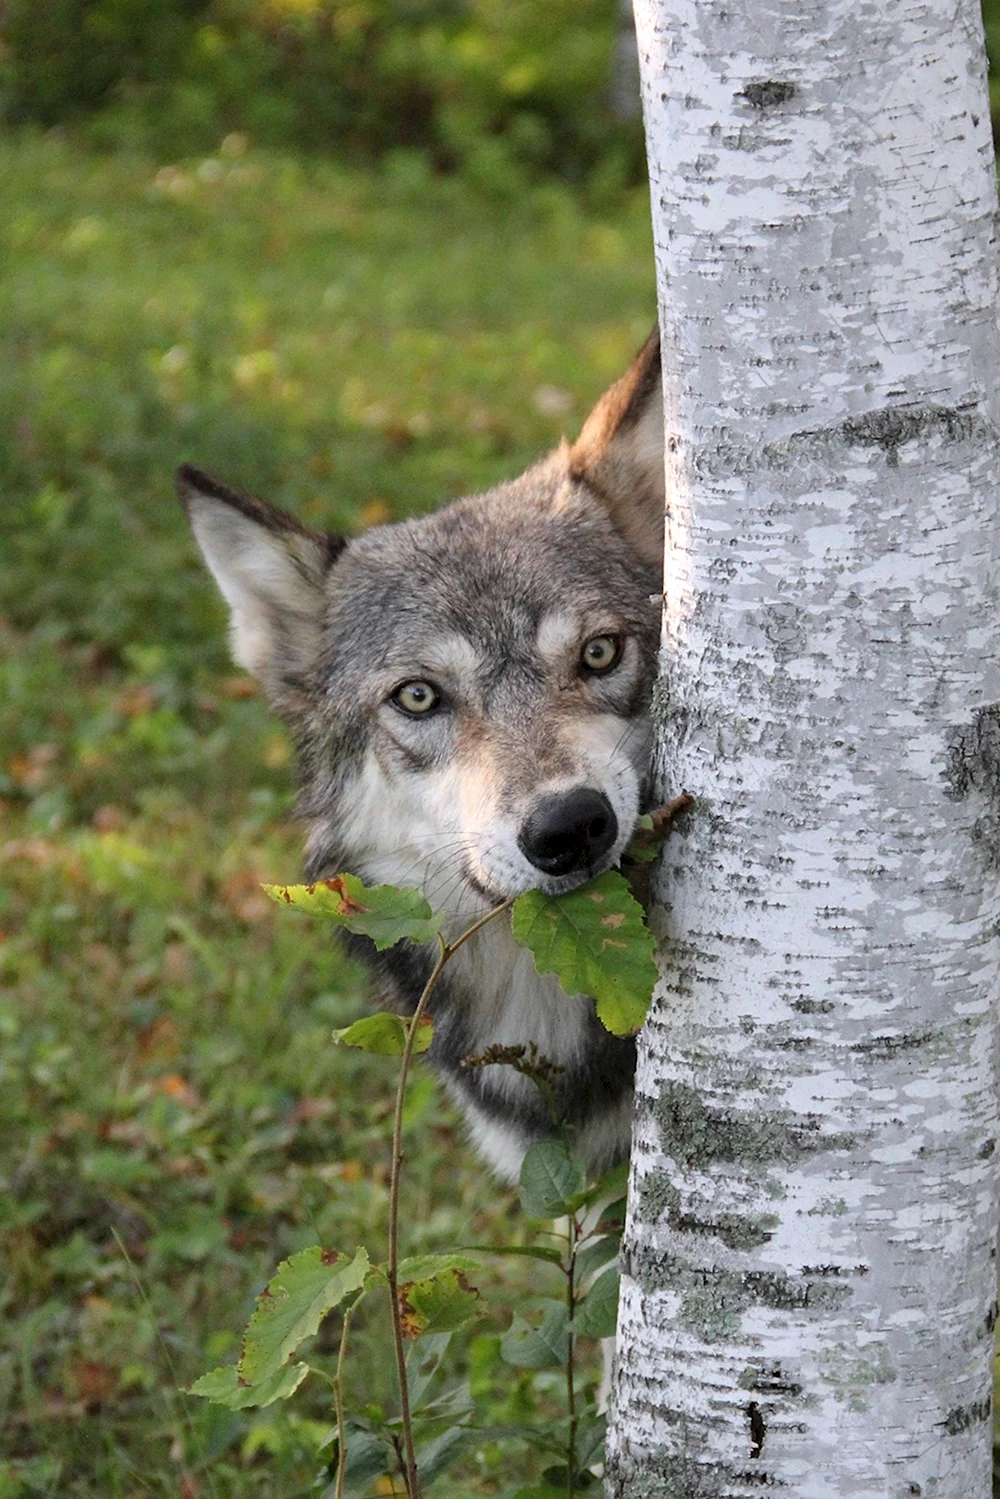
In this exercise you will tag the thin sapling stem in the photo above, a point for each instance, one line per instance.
(447, 950)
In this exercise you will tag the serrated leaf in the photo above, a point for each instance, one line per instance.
(441, 1303)
(426, 1266)
(224, 1388)
(294, 1303)
(543, 1347)
(384, 1034)
(382, 912)
(596, 942)
(527, 1251)
(550, 1179)
(597, 1315)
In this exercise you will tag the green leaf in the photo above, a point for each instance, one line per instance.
(543, 1347)
(384, 1034)
(423, 1360)
(223, 1387)
(596, 942)
(381, 912)
(441, 1303)
(596, 1254)
(550, 1180)
(426, 1266)
(528, 1251)
(597, 1315)
(294, 1303)
(443, 1450)
(591, 1435)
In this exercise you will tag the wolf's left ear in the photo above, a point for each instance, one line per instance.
(271, 570)
(619, 453)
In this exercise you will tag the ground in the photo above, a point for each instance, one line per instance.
(357, 347)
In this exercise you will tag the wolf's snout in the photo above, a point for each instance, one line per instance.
(566, 833)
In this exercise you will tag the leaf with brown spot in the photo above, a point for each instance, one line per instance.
(381, 912)
(292, 1306)
(441, 1303)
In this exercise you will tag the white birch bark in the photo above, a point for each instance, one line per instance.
(809, 1290)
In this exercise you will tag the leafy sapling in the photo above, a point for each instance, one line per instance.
(594, 939)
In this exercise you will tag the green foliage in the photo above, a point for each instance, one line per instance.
(596, 942)
(293, 1304)
(551, 1180)
(382, 912)
(384, 1034)
(494, 88)
(224, 1386)
(542, 1343)
(430, 1295)
(437, 1303)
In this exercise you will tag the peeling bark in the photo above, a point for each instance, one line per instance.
(809, 1286)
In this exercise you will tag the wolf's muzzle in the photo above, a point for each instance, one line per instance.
(567, 833)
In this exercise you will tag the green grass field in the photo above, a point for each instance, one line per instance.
(174, 1118)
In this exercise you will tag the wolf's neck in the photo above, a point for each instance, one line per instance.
(504, 1001)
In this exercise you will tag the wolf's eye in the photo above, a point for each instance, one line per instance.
(416, 698)
(601, 653)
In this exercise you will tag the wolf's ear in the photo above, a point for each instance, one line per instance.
(271, 571)
(619, 453)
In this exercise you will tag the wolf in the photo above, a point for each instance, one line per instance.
(468, 694)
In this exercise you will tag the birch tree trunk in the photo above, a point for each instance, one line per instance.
(809, 1271)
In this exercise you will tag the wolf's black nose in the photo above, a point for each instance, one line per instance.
(566, 833)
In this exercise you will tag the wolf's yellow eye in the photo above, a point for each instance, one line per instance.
(416, 697)
(601, 653)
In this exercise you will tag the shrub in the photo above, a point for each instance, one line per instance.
(474, 83)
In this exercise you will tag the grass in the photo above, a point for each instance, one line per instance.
(174, 1119)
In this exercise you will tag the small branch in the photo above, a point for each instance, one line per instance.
(663, 817)
(570, 1391)
(412, 1481)
(448, 949)
(338, 1395)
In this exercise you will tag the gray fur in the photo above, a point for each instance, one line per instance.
(490, 600)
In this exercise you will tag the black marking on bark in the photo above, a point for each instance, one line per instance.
(986, 1149)
(738, 1231)
(812, 1006)
(713, 1299)
(836, 1270)
(965, 1416)
(765, 93)
(768, 1382)
(676, 1475)
(758, 1429)
(887, 428)
(884, 1047)
(990, 1320)
(973, 770)
(696, 1136)
(974, 756)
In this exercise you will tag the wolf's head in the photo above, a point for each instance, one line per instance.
(468, 692)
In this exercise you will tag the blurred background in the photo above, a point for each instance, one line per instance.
(360, 258)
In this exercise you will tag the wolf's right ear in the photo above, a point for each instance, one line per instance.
(271, 571)
(619, 454)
